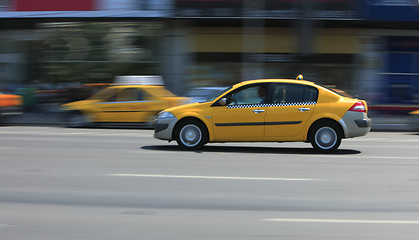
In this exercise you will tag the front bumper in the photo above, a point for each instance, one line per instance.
(355, 124)
(163, 128)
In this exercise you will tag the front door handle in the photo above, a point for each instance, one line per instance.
(257, 111)
(303, 109)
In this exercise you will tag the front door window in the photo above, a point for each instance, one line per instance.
(254, 94)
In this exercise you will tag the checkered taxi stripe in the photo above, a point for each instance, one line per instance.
(272, 105)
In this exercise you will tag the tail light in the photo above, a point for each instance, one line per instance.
(358, 107)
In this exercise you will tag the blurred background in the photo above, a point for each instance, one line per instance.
(57, 51)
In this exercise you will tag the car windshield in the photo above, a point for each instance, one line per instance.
(212, 98)
(104, 94)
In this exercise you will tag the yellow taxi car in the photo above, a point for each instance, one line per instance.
(267, 111)
(132, 100)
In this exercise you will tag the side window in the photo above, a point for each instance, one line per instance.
(104, 95)
(310, 94)
(253, 94)
(129, 94)
(288, 93)
(294, 93)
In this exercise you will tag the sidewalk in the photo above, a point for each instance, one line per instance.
(37, 119)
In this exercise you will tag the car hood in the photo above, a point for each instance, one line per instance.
(187, 106)
(78, 105)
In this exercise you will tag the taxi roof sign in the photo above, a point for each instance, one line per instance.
(139, 80)
(300, 77)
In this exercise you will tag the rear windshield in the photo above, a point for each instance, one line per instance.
(337, 91)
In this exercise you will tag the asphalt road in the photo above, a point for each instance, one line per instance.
(58, 183)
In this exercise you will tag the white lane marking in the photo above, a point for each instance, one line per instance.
(7, 147)
(367, 139)
(391, 145)
(319, 220)
(147, 152)
(6, 225)
(211, 177)
(408, 140)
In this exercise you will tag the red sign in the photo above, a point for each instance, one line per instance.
(54, 5)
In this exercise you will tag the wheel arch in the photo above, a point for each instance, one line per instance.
(322, 120)
(190, 118)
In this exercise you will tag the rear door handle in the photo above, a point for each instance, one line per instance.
(303, 109)
(257, 111)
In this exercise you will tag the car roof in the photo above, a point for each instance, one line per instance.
(136, 86)
(208, 88)
(276, 80)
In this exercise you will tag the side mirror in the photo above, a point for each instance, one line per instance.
(222, 101)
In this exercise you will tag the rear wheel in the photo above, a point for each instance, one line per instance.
(77, 119)
(191, 134)
(325, 137)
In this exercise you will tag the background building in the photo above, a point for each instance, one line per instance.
(368, 48)
(390, 60)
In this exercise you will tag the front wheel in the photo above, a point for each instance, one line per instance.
(325, 137)
(191, 134)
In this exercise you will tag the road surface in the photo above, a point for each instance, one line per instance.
(58, 183)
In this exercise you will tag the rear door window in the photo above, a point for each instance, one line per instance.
(310, 94)
(293, 93)
(129, 94)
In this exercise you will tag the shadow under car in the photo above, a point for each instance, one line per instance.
(247, 149)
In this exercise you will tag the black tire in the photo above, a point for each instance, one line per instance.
(191, 134)
(76, 119)
(325, 136)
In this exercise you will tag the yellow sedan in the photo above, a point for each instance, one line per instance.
(123, 104)
(267, 111)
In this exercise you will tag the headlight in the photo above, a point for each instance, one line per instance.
(165, 115)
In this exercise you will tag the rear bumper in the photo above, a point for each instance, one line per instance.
(363, 123)
(355, 124)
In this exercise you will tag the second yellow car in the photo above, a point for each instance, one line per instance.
(125, 103)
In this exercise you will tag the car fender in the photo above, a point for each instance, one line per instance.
(322, 115)
(206, 121)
